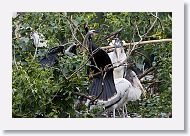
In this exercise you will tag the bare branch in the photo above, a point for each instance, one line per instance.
(83, 95)
(72, 31)
(71, 21)
(112, 67)
(112, 35)
(142, 55)
(146, 72)
(141, 43)
(35, 53)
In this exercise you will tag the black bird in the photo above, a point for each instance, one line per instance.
(148, 63)
(51, 58)
(71, 50)
(102, 87)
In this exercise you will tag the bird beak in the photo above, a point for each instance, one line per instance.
(97, 31)
(138, 83)
(117, 51)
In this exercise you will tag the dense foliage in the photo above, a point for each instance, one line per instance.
(48, 92)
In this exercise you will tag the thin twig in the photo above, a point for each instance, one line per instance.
(140, 53)
(74, 34)
(35, 52)
(70, 20)
(112, 67)
(151, 84)
(14, 58)
(112, 35)
(83, 95)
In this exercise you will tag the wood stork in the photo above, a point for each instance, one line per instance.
(118, 57)
(127, 90)
(132, 89)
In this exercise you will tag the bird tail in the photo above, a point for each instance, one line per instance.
(103, 88)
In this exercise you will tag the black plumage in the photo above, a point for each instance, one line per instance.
(148, 63)
(71, 50)
(102, 87)
(51, 58)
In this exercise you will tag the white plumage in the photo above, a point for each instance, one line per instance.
(119, 71)
(129, 89)
(38, 40)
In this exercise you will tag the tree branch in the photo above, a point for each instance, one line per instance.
(83, 95)
(146, 72)
(141, 43)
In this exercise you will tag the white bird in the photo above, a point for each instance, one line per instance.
(126, 91)
(130, 89)
(118, 57)
(38, 39)
(123, 87)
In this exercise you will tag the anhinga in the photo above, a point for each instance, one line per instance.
(147, 63)
(51, 57)
(103, 85)
(112, 93)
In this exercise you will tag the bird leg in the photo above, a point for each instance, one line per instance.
(119, 112)
(113, 112)
(123, 111)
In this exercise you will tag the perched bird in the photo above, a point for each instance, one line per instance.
(38, 39)
(51, 58)
(71, 50)
(113, 92)
(118, 57)
(135, 82)
(128, 85)
(103, 85)
(148, 63)
(127, 90)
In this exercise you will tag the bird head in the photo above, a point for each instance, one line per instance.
(118, 43)
(92, 32)
(118, 47)
(88, 39)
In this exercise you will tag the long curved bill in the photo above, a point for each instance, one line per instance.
(138, 83)
(118, 53)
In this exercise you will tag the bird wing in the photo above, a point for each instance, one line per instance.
(102, 87)
(122, 87)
